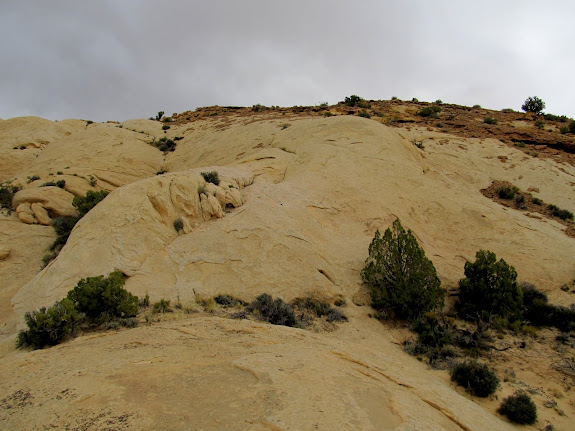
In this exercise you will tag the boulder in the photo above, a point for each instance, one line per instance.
(41, 214)
(57, 201)
(25, 214)
(234, 197)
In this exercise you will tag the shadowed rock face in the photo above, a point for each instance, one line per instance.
(293, 215)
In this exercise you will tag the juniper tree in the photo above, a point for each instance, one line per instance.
(399, 275)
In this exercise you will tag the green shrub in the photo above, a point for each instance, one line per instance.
(551, 117)
(102, 299)
(364, 114)
(165, 127)
(164, 144)
(533, 104)
(162, 306)
(159, 116)
(6, 195)
(319, 309)
(60, 183)
(539, 312)
(489, 288)
(572, 126)
(430, 111)
(63, 227)
(490, 120)
(145, 301)
(477, 379)
(540, 124)
(507, 192)
(519, 200)
(47, 258)
(49, 326)
(476, 106)
(558, 212)
(259, 108)
(335, 315)
(399, 275)
(519, 408)
(228, 301)
(431, 332)
(85, 204)
(274, 311)
(129, 322)
(211, 177)
(537, 201)
(353, 100)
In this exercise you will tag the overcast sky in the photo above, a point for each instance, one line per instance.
(121, 59)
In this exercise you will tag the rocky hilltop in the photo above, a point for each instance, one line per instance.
(301, 193)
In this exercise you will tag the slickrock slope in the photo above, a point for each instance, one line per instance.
(298, 204)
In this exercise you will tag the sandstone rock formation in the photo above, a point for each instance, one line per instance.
(57, 201)
(292, 216)
(103, 241)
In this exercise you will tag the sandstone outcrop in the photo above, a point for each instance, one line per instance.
(58, 202)
(25, 213)
(318, 190)
(148, 210)
(40, 214)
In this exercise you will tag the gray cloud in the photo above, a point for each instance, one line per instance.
(118, 60)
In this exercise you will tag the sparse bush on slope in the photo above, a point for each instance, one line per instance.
(6, 194)
(539, 312)
(399, 275)
(507, 192)
(431, 332)
(165, 144)
(49, 326)
(519, 408)
(477, 379)
(353, 100)
(274, 311)
(85, 203)
(430, 111)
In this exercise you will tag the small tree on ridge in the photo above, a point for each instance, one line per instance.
(533, 104)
